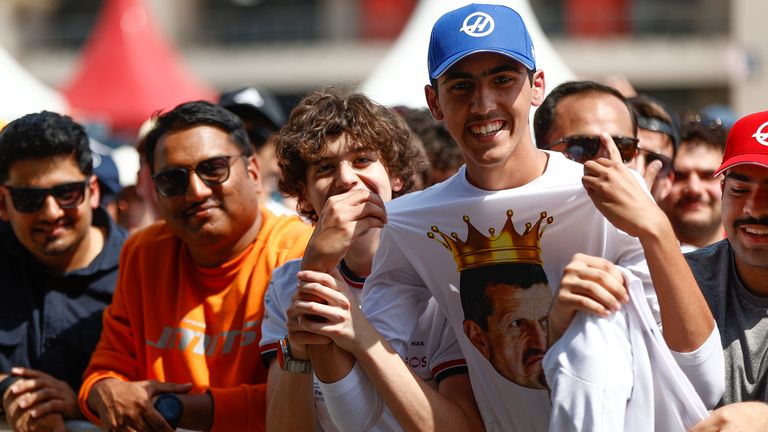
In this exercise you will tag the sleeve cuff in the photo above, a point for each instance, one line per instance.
(85, 390)
(701, 353)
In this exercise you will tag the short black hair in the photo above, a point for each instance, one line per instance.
(545, 114)
(709, 134)
(41, 135)
(474, 282)
(193, 114)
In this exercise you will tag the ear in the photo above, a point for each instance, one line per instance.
(431, 94)
(254, 172)
(537, 88)
(396, 183)
(477, 336)
(95, 192)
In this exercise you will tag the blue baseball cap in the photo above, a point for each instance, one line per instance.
(478, 28)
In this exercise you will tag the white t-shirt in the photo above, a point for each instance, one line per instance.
(622, 365)
(408, 261)
(433, 352)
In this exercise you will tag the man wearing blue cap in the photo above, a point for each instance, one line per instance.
(513, 206)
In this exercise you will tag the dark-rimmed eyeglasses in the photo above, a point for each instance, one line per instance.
(212, 172)
(582, 148)
(32, 199)
(650, 156)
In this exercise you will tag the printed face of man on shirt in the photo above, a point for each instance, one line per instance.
(515, 338)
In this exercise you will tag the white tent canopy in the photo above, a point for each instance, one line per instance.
(21, 93)
(400, 77)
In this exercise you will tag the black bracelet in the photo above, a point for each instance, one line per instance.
(6, 383)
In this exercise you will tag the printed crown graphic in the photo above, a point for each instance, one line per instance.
(508, 246)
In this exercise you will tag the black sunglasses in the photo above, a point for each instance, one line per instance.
(582, 148)
(31, 199)
(212, 172)
(666, 162)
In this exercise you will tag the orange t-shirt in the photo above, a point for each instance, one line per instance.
(173, 321)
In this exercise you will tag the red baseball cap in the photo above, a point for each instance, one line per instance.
(747, 142)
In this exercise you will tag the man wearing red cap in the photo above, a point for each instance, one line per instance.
(733, 274)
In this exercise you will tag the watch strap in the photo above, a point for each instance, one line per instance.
(288, 363)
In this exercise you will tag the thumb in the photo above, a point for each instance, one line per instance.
(651, 171)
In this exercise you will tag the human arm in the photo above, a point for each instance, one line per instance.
(685, 316)
(412, 401)
(289, 399)
(118, 403)
(737, 417)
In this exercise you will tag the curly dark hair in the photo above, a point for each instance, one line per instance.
(325, 115)
(193, 114)
(41, 135)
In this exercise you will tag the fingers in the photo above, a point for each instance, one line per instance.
(50, 406)
(651, 171)
(609, 147)
(154, 421)
(593, 285)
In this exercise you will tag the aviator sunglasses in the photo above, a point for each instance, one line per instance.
(650, 156)
(31, 199)
(212, 172)
(582, 148)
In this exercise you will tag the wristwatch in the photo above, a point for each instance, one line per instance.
(288, 363)
(170, 407)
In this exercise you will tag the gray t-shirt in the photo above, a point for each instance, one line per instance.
(742, 318)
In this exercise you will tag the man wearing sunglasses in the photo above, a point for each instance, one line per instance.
(574, 114)
(58, 265)
(180, 341)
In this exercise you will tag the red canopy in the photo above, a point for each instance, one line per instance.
(128, 70)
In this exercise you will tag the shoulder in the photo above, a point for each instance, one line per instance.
(156, 238)
(285, 231)
(708, 256)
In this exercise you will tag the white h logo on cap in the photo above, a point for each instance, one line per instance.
(483, 25)
(760, 136)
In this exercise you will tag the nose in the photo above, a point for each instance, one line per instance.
(484, 99)
(693, 184)
(51, 210)
(537, 335)
(197, 190)
(346, 177)
(757, 202)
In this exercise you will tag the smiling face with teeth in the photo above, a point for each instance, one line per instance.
(745, 219)
(485, 101)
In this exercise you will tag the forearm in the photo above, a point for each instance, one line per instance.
(686, 318)
(290, 403)
(330, 363)
(198, 411)
(415, 404)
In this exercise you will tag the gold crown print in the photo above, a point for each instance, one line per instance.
(509, 246)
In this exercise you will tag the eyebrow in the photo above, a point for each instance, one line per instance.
(507, 67)
(739, 177)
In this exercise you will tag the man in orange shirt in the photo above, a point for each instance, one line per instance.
(180, 341)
